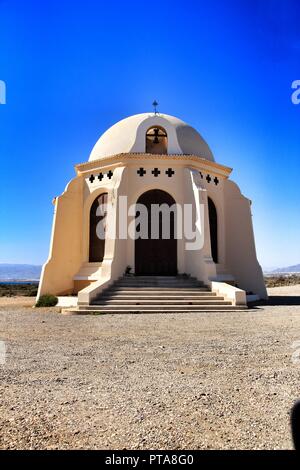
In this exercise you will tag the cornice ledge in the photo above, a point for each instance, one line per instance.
(126, 157)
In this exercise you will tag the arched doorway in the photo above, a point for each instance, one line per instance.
(97, 240)
(213, 228)
(156, 255)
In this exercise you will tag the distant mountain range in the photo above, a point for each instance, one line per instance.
(19, 272)
(289, 269)
(29, 272)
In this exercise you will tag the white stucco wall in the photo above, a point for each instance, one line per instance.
(241, 259)
(69, 251)
(65, 254)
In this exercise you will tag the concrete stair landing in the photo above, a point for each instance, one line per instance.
(157, 294)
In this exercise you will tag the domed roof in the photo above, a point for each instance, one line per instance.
(129, 136)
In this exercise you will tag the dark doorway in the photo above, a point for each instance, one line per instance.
(97, 214)
(156, 256)
(213, 227)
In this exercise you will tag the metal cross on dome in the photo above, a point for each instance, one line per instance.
(155, 104)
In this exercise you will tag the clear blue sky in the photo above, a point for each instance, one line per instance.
(73, 69)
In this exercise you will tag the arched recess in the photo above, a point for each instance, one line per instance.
(156, 140)
(97, 232)
(156, 256)
(213, 228)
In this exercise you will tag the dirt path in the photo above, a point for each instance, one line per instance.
(209, 380)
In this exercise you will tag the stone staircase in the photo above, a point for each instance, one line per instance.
(158, 294)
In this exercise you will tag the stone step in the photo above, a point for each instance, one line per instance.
(139, 280)
(157, 279)
(201, 309)
(147, 301)
(151, 294)
(161, 284)
(179, 296)
(159, 293)
(154, 309)
(157, 289)
(155, 306)
(152, 277)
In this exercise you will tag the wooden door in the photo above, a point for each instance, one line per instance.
(156, 256)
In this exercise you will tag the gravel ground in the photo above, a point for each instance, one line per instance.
(184, 381)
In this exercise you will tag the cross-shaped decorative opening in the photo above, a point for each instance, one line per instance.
(208, 179)
(156, 172)
(216, 181)
(92, 178)
(109, 174)
(100, 176)
(141, 172)
(170, 172)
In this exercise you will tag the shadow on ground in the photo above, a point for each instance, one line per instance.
(277, 300)
(283, 300)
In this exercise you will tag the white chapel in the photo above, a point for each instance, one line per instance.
(153, 159)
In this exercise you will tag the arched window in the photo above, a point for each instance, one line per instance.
(213, 227)
(156, 140)
(97, 228)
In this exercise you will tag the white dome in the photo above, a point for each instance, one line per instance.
(129, 136)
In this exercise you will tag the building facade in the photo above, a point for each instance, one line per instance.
(150, 159)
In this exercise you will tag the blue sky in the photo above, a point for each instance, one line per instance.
(72, 69)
